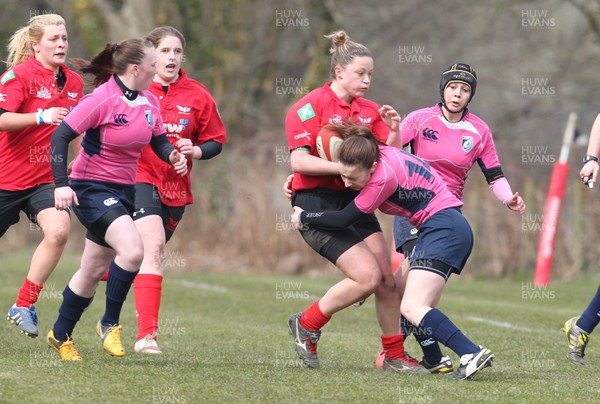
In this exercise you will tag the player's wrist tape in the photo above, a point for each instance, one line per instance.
(43, 116)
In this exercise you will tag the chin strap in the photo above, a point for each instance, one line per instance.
(464, 111)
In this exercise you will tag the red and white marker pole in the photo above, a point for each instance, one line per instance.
(558, 182)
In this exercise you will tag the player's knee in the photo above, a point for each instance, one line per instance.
(134, 255)
(372, 281)
(56, 235)
(408, 310)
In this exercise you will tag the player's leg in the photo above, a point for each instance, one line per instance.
(362, 277)
(77, 296)
(444, 244)
(122, 235)
(578, 330)
(147, 286)
(55, 224)
(387, 308)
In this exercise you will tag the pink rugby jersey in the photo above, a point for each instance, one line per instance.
(451, 147)
(404, 185)
(116, 131)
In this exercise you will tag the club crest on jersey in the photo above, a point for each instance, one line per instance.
(467, 143)
(44, 93)
(3, 97)
(365, 121)
(184, 110)
(72, 96)
(149, 117)
(335, 119)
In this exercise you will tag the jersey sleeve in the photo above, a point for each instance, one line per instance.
(488, 159)
(409, 128)
(332, 219)
(13, 92)
(301, 125)
(373, 195)
(211, 126)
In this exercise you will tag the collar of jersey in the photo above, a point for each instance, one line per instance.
(129, 94)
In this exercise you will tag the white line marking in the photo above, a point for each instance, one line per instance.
(503, 324)
(203, 286)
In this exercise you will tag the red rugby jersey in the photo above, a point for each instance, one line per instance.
(188, 111)
(25, 153)
(317, 109)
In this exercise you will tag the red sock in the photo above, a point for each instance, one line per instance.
(105, 276)
(393, 346)
(28, 294)
(313, 318)
(146, 291)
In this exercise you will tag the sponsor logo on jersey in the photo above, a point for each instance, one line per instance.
(174, 128)
(44, 93)
(365, 121)
(467, 143)
(72, 96)
(149, 117)
(3, 97)
(110, 201)
(335, 119)
(301, 135)
(430, 134)
(184, 110)
(121, 119)
(8, 76)
(306, 112)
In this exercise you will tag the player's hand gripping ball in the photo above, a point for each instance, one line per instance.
(328, 143)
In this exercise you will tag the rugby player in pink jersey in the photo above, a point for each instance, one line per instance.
(398, 183)
(451, 139)
(360, 251)
(36, 92)
(118, 120)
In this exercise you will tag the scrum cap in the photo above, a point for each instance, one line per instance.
(459, 72)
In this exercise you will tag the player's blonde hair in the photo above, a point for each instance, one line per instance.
(19, 46)
(343, 50)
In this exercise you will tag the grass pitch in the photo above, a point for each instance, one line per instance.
(225, 339)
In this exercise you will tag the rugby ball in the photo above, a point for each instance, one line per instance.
(328, 142)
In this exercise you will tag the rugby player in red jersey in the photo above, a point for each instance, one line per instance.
(359, 251)
(194, 126)
(36, 93)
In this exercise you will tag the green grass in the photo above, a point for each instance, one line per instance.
(229, 343)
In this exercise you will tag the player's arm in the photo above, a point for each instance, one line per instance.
(332, 220)
(589, 171)
(303, 162)
(204, 151)
(64, 196)
(501, 188)
(11, 121)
